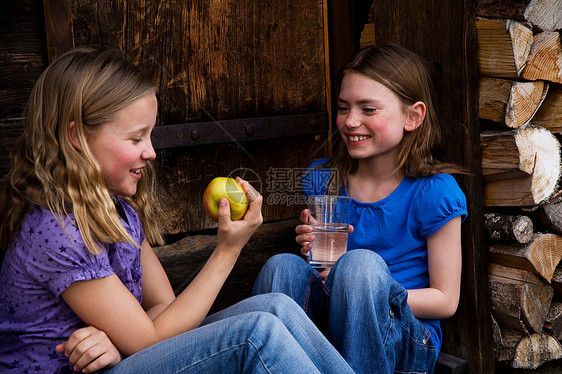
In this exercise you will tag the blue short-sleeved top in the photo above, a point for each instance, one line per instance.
(397, 227)
(41, 263)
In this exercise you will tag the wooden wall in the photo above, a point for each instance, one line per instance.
(23, 56)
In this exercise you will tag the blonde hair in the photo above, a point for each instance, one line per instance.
(407, 75)
(88, 87)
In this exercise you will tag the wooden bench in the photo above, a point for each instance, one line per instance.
(448, 364)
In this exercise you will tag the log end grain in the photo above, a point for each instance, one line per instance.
(535, 350)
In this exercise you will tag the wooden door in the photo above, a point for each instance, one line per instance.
(242, 90)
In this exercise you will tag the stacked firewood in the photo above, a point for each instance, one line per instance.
(520, 106)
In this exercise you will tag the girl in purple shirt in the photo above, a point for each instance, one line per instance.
(81, 288)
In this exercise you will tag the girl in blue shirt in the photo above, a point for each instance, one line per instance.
(381, 303)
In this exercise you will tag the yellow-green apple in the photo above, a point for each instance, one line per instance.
(230, 189)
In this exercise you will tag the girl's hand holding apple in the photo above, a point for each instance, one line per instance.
(234, 234)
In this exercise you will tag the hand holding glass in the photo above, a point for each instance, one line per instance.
(328, 218)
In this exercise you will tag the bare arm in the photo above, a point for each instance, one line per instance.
(106, 303)
(441, 299)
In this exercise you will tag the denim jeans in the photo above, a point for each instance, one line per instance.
(361, 309)
(262, 334)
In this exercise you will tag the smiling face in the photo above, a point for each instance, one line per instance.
(123, 146)
(371, 118)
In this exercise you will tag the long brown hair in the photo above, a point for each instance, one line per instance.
(407, 75)
(88, 87)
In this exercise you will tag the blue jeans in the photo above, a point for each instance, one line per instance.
(361, 309)
(262, 334)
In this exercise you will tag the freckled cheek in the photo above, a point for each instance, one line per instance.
(376, 127)
(340, 121)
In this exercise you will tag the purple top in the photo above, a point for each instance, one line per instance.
(42, 262)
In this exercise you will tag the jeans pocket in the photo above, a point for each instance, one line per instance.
(418, 352)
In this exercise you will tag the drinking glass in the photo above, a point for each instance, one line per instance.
(328, 218)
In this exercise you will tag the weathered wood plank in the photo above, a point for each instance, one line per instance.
(58, 27)
(23, 55)
(217, 60)
(448, 364)
(10, 131)
(238, 130)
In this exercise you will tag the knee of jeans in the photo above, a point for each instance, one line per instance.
(266, 323)
(362, 265)
(279, 261)
(282, 305)
(283, 265)
(362, 258)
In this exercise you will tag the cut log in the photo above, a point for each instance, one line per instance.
(512, 9)
(511, 192)
(523, 351)
(493, 95)
(545, 15)
(553, 322)
(506, 341)
(520, 299)
(541, 255)
(524, 101)
(503, 47)
(499, 346)
(549, 114)
(545, 58)
(509, 102)
(521, 167)
(535, 350)
(557, 281)
(549, 213)
(504, 227)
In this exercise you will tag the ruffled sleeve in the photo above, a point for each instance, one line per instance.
(58, 257)
(440, 200)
